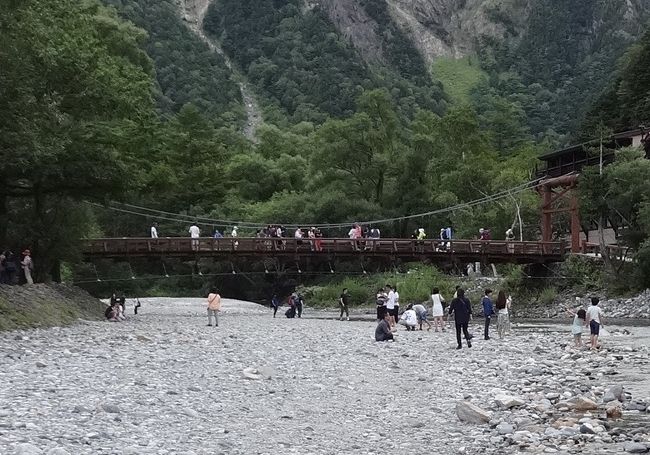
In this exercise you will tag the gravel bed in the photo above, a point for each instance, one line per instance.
(163, 382)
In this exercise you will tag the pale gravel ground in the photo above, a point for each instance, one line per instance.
(164, 383)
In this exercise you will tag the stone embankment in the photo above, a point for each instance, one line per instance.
(637, 307)
(163, 382)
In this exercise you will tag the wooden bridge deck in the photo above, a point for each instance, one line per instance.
(463, 251)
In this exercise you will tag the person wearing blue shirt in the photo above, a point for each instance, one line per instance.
(488, 311)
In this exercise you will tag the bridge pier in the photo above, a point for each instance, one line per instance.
(563, 201)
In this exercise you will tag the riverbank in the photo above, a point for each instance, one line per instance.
(163, 382)
(46, 305)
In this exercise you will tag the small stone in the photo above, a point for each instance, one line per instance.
(40, 364)
(111, 408)
(586, 428)
(505, 428)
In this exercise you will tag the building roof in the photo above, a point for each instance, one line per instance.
(574, 148)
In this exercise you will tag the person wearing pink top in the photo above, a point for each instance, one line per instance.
(214, 306)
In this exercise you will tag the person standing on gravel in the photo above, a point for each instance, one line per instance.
(438, 310)
(488, 311)
(462, 311)
(503, 317)
(344, 301)
(390, 305)
(214, 306)
(594, 319)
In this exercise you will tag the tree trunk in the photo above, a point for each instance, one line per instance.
(604, 253)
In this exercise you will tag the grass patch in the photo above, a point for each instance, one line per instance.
(40, 305)
(458, 76)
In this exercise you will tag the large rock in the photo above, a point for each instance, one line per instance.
(468, 412)
(27, 449)
(614, 393)
(636, 447)
(507, 401)
(582, 404)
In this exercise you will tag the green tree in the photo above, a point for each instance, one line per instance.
(75, 92)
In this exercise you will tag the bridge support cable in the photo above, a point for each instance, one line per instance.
(181, 218)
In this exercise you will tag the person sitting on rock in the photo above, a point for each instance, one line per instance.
(383, 332)
(409, 319)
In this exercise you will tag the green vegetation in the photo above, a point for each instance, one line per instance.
(46, 306)
(187, 71)
(413, 286)
(560, 63)
(96, 109)
(305, 70)
(459, 76)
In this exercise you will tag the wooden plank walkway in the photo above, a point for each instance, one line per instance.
(462, 251)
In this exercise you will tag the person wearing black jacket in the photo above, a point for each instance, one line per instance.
(462, 311)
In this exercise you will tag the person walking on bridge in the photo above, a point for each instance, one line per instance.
(154, 231)
(195, 233)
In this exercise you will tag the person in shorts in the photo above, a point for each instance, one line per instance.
(594, 318)
(421, 313)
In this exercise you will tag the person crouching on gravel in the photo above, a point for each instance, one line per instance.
(214, 306)
(383, 332)
(421, 313)
(461, 309)
(409, 319)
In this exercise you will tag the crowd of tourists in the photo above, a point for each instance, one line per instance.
(357, 232)
(16, 269)
(459, 310)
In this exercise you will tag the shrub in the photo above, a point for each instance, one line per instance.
(547, 296)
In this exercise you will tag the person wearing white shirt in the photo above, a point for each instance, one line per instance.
(195, 233)
(390, 305)
(594, 320)
(154, 231)
(233, 234)
(409, 319)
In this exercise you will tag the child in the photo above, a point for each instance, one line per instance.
(578, 322)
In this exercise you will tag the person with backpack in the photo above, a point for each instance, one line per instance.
(461, 309)
(488, 311)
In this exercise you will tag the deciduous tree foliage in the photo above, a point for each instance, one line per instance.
(75, 90)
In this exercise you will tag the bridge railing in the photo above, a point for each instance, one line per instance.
(265, 246)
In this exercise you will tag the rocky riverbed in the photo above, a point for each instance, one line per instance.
(164, 383)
